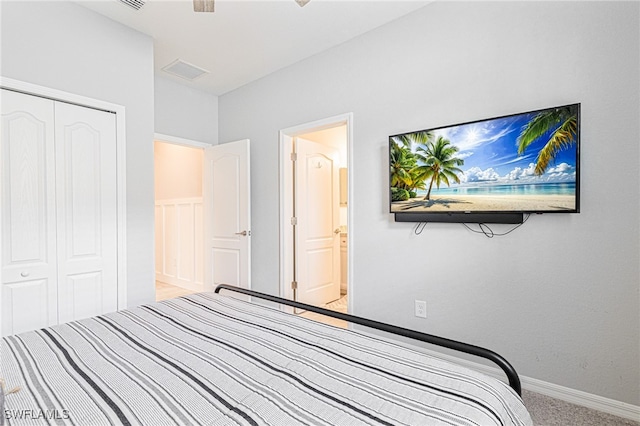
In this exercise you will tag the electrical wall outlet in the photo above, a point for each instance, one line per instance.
(421, 308)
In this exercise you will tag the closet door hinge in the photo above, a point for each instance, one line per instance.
(294, 221)
(294, 285)
(294, 156)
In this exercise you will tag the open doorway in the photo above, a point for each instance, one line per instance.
(315, 215)
(179, 219)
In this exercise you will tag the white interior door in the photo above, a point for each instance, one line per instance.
(226, 199)
(317, 231)
(86, 211)
(28, 225)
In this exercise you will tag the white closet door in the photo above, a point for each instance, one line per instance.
(86, 211)
(28, 224)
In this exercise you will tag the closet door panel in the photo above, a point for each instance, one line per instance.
(28, 224)
(25, 306)
(79, 292)
(86, 199)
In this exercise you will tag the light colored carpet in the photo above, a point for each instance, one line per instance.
(547, 411)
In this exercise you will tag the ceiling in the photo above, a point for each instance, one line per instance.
(244, 40)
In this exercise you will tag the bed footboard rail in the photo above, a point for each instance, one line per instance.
(512, 376)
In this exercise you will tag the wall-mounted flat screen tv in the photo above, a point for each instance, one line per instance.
(491, 171)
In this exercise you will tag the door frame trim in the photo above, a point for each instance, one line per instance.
(121, 158)
(176, 140)
(286, 193)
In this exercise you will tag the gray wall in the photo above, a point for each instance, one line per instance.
(559, 297)
(67, 47)
(185, 112)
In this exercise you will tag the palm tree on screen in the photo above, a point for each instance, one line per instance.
(402, 161)
(417, 138)
(405, 173)
(439, 163)
(561, 124)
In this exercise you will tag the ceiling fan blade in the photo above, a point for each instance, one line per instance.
(302, 2)
(204, 5)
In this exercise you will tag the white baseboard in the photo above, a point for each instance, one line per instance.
(595, 402)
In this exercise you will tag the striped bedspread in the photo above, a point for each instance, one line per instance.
(215, 360)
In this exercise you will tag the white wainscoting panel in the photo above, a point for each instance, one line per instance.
(179, 243)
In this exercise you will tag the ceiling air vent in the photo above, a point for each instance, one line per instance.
(184, 70)
(136, 4)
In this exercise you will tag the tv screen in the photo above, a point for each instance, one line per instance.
(479, 170)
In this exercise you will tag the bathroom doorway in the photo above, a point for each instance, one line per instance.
(315, 214)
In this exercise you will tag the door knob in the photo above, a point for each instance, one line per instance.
(243, 233)
(336, 231)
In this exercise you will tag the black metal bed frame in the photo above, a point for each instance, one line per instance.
(514, 380)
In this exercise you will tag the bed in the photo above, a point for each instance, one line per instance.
(214, 359)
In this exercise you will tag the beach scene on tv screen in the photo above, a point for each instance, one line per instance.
(525, 162)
